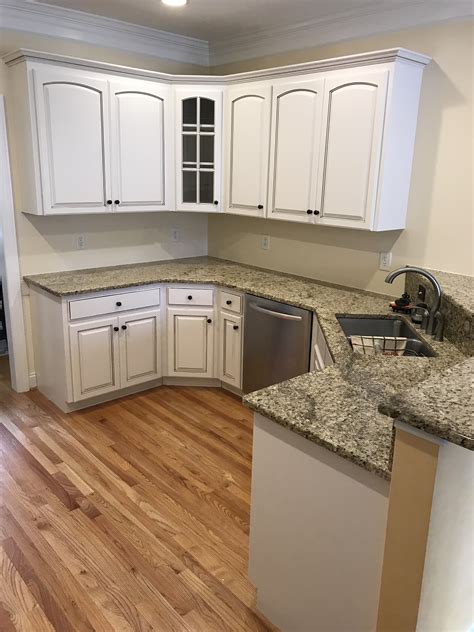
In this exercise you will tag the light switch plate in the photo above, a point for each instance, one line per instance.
(385, 262)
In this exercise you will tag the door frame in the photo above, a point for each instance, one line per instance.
(10, 266)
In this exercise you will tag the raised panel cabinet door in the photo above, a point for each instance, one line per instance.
(198, 149)
(190, 343)
(73, 137)
(140, 347)
(230, 349)
(354, 113)
(247, 125)
(295, 149)
(142, 152)
(94, 346)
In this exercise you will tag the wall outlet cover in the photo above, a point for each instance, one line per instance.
(385, 262)
(80, 242)
(265, 243)
(174, 234)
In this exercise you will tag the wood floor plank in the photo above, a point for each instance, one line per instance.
(131, 515)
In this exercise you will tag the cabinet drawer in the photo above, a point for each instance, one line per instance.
(114, 303)
(231, 302)
(190, 296)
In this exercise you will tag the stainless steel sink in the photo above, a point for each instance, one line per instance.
(389, 326)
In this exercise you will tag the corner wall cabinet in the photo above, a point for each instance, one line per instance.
(198, 149)
(327, 143)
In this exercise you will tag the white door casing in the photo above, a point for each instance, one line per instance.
(142, 146)
(73, 136)
(247, 125)
(354, 109)
(295, 149)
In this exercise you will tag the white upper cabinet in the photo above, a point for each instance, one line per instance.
(327, 143)
(295, 149)
(142, 146)
(73, 132)
(198, 149)
(354, 109)
(247, 125)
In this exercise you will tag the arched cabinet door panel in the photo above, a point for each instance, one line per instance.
(198, 149)
(248, 136)
(142, 153)
(73, 138)
(353, 131)
(295, 149)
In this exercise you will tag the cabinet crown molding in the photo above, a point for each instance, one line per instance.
(360, 59)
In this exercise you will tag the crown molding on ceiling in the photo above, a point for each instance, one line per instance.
(53, 21)
(357, 23)
(24, 15)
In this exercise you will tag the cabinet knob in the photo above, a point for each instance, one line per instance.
(190, 298)
(260, 206)
(316, 212)
(109, 201)
(216, 202)
(228, 302)
(124, 326)
(117, 202)
(309, 211)
(236, 327)
(119, 303)
(116, 328)
(209, 320)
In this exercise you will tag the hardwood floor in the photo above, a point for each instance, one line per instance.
(132, 515)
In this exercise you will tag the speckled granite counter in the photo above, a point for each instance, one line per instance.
(441, 405)
(337, 407)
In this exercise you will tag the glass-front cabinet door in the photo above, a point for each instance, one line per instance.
(199, 149)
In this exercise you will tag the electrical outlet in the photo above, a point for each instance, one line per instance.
(174, 234)
(265, 243)
(80, 242)
(385, 261)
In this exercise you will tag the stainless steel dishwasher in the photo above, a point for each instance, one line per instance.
(277, 341)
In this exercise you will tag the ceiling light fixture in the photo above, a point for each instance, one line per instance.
(175, 3)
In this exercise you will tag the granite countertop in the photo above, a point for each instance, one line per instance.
(337, 408)
(441, 405)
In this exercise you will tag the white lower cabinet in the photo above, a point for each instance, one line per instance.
(112, 353)
(95, 363)
(190, 342)
(140, 347)
(230, 349)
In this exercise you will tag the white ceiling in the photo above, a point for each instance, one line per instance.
(216, 20)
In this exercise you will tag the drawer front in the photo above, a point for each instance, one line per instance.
(231, 302)
(114, 303)
(190, 296)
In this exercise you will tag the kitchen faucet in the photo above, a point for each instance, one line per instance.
(434, 314)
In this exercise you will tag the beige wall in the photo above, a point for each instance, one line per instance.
(48, 243)
(439, 232)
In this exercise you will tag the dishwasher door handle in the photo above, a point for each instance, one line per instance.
(271, 312)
